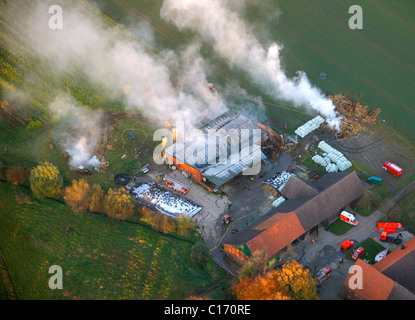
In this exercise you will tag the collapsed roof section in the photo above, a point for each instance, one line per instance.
(222, 149)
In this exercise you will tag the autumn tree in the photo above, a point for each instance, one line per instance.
(97, 199)
(185, 224)
(254, 266)
(15, 175)
(297, 281)
(45, 180)
(118, 204)
(291, 282)
(76, 196)
(166, 224)
(261, 287)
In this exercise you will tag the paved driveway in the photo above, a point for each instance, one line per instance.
(326, 252)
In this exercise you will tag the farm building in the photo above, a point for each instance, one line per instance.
(307, 205)
(213, 166)
(389, 279)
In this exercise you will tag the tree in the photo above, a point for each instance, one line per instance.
(166, 224)
(97, 199)
(297, 281)
(185, 224)
(118, 204)
(76, 196)
(45, 180)
(199, 253)
(15, 175)
(291, 282)
(262, 287)
(254, 266)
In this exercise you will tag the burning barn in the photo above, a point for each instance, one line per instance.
(224, 148)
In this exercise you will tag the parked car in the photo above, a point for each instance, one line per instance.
(347, 244)
(323, 274)
(358, 253)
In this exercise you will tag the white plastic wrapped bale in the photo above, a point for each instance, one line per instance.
(335, 156)
(309, 126)
(320, 160)
(279, 201)
(331, 167)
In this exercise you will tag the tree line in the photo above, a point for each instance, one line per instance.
(46, 181)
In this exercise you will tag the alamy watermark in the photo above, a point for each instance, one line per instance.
(56, 20)
(356, 278)
(356, 20)
(55, 281)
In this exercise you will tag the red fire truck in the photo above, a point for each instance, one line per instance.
(388, 227)
(177, 186)
(392, 167)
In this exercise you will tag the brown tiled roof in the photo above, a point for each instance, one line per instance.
(399, 265)
(337, 189)
(375, 286)
(277, 232)
(296, 187)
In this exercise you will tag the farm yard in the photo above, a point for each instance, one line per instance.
(48, 114)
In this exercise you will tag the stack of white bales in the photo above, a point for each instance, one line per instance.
(325, 162)
(336, 156)
(320, 160)
(277, 202)
(331, 167)
(309, 126)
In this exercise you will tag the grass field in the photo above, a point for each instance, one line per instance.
(375, 65)
(101, 258)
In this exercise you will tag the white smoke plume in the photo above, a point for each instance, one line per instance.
(233, 39)
(79, 129)
(113, 58)
(164, 86)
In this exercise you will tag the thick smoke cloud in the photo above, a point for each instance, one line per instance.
(232, 38)
(113, 59)
(78, 131)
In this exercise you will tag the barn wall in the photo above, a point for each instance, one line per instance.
(195, 174)
(236, 254)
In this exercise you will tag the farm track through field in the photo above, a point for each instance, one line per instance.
(338, 63)
(362, 36)
(369, 146)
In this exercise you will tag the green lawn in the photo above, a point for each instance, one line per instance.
(365, 211)
(372, 248)
(101, 258)
(339, 227)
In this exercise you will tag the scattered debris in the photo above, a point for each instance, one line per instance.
(279, 180)
(355, 117)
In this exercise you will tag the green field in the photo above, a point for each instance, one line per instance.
(101, 258)
(375, 65)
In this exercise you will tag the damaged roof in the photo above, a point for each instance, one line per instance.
(217, 163)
